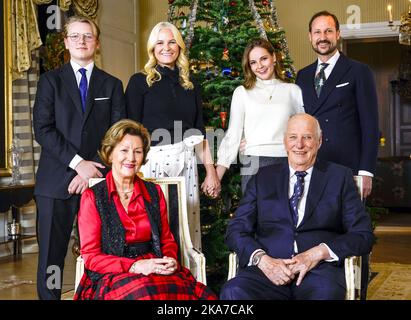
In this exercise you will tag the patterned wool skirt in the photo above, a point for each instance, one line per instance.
(130, 286)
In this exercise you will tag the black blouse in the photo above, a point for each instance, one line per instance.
(163, 103)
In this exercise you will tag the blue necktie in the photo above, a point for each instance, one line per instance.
(298, 192)
(83, 88)
(320, 79)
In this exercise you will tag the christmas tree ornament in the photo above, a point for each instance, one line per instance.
(226, 55)
(226, 71)
(226, 20)
(235, 73)
(170, 1)
(267, 25)
(205, 65)
(233, 3)
(194, 68)
(223, 118)
(265, 3)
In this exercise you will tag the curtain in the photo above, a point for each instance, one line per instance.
(24, 93)
(25, 32)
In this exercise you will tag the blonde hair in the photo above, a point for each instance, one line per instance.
(117, 132)
(182, 61)
(72, 19)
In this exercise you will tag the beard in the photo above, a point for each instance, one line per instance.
(332, 47)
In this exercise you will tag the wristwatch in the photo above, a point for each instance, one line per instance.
(257, 258)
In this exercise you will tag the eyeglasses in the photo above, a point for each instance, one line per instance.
(75, 37)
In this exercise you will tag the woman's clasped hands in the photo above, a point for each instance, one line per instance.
(164, 266)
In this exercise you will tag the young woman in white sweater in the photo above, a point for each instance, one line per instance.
(260, 109)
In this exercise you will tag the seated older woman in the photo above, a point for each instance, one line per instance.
(126, 243)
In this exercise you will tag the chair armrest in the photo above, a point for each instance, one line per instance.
(352, 268)
(79, 271)
(196, 263)
(232, 265)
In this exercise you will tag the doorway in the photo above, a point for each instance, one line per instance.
(383, 56)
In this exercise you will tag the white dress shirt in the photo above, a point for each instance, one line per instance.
(89, 69)
(302, 202)
(301, 209)
(331, 64)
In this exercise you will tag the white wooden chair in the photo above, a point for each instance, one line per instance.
(190, 257)
(352, 265)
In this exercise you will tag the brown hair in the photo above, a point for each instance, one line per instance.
(249, 76)
(72, 19)
(325, 14)
(117, 132)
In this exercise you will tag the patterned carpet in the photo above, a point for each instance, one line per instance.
(392, 282)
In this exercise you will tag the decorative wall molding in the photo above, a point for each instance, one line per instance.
(368, 30)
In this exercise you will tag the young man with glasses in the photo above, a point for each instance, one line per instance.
(74, 107)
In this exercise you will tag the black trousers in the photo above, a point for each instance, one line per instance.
(55, 220)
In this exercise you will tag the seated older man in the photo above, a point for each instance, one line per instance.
(296, 223)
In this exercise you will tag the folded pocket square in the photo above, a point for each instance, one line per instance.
(98, 99)
(342, 84)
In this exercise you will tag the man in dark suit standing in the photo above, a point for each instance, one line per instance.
(341, 94)
(74, 107)
(296, 223)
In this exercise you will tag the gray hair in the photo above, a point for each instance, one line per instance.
(306, 115)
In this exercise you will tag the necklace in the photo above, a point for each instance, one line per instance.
(125, 193)
(269, 86)
(272, 92)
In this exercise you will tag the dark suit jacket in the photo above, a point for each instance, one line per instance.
(347, 110)
(334, 215)
(61, 128)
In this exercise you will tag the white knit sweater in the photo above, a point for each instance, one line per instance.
(260, 120)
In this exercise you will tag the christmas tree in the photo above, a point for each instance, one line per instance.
(216, 33)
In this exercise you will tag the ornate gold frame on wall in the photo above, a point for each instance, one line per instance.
(5, 169)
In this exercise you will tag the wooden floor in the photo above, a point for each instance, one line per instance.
(393, 234)
(22, 270)
(18, 275)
